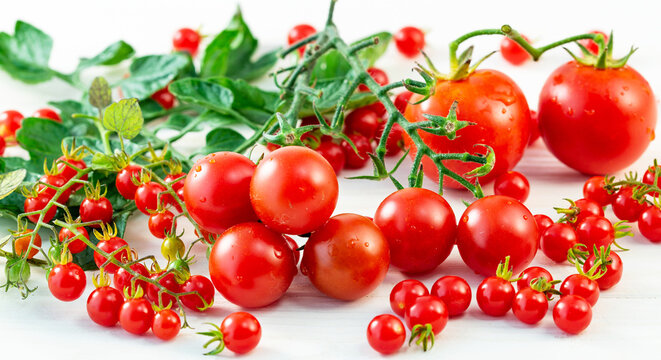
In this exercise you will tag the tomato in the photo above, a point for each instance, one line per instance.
(10, 122)
(596, 121)
(648, 178)
(455, 293)
(409, 41)
(56, 180)
(649, 223)
(427, 310)
(172, 247)
(103, 305)
(176, 181)
(491, 100)
(347, 257)
(584, 208)
(420, 228)
(530, 305)
(109, 246)
(47, 114)
(386, 334)
(402, 101)
(204, 287)
(572, 314)
(136, 316)
(595, 231)
(362, 121)
(169, 281)
(166, 324)
(612, 267)
(593, 189)
(77, 245)
(186, 39)
(581, 285)
(557, 240)
(68, 172)
(123, 280)
(3, 145)
(494, 296)
(147, 197)
(294, 190)
(333, 153)
(251, 265)
(241, 332)
(395, 141)
(378, 75)
(513, 52)
(378, 108)
(298, 33)
(38, 203)
(543, 223)
(512, 184)
(124, 181)
(22, 243)
(96, 209)
(626, 207)
(217, 191)
(66, 281)
(160, 223)
(356, 160)
(294, 248)
(591, 45)
(530, 274)
(404, 293)
(493, 228)
(534, 127)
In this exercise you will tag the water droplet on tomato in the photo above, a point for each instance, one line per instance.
(304, 270)
(277, 253)
(557, 79)
(589, 112)
(239, 278)
(212, 161)
(198, 168)
(509, 202)
(366, 244)
(465, 218)
(570, 111)
(504, 111)
(554, 99)
(203, 199)
(625, 88)
(525, 217)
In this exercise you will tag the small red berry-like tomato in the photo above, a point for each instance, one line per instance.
(512, 184)
(409, 41)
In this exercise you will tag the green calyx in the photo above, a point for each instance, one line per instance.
(504, 271)
(424, 335)
(216, 336)
(604, 58)
(545, 286)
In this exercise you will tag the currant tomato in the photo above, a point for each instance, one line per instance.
(530, 306)
(395, 140)
(3, 146)
(513, 52)
(294, 190)
(169, 281)
(378, 75)
(294, 248)
(530, 274)
(581, 285)
(66, 281)
(648, 178)
(402, 101)
(298, 33)
(166, 324)
(77, 245)
(493, 228)
(147, 197)
(123, 280)
(378, 108)
(491, 100)
(420, 228)
(404, 293)
(160, 223)
(333, 153)
(347, 257)
(103, 305)
(409, 41)
(572, 314)
(68, 172)
(172, 247)
(362, 121)
(612, 266)
(595, 231)
(649, 223)
(251, 265)
(10, 122)
(186, 39)
(22, 244)
(176, 181)
(593, 189)
(557, 240)
(38, 203)
(241, 332)
(96, 209)
(47, 114)
(217, 191)
(626, 207)
(427, 310)
(136, 316)
(543, 223)
(534, 127)
(164, 98)
(386, 334)
(512, 184)
(109, 246)
(455, 293)
(124, 181)
(585, 208)
(596, 121)
(591, 45)
(494, 296)
(204, 287)
(56, 180)
(356, 160)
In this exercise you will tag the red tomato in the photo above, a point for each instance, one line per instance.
(294, 248)
(204, 287)
(530, 306)
(649, 223)
(103, 306)
(160, 223)
(427, 310)
(124, 181)
(241, 332)
(298, 33)
(251, 265)
(56, 180)
(543, 223)
(294, 190)
(596, 121)
(648, 178)
(110, 246)
(378, 75)
(534, 127)
(595, 231)
(612, 267)
(386, 334)
(498, 107)
(626, 207)
(168, 281)
(362, 121)
(582, 286)
(39, 203)
(585, 208)
(3, 145)
(22, 244)
(420, 228)
(68, 172)
(356, 160)
(512, 184)
(176, 181)
(333, 153)
(136, 316)
(10, 122)
(123, 280)
(67, 281)
(557, 240)
(166, 324)
(47, 114)
(74, 246)
(186, 39)
(164, 98)
(572, 314)
(409, 41)
(530, 274)
(513, 52)
(455, 293)
(494, 296)
(404, 293)
(591, 45)
(147, 197)
(493, 228)
(96, 209)
(593, 189)
(347, 257)
(217, 191)
(402, 101)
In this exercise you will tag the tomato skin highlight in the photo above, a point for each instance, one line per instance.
(596, 121)
(582, 286)
(241, 332)
(530, 306)
(512, 184)
(103, 306)
(649, 224)
(493, 228)
(251, 265)
(386, 334)
(455, 293)
(420, 227)
(494, 296)
(346, 258)
(404, 293)
(67, 281)
(572, 314)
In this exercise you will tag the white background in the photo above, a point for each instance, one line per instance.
(305, 324)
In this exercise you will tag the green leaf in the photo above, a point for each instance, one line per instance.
(25, 55)
(333, 66)
(100, 94)
(11, 181)
(124, 117)
(258, 68)
(101, 161)
(69, 107)
(371, 54)
(221, 139)
(202, 92)
(252, 102)
(152, 73)
(112, 55)
(42, 139)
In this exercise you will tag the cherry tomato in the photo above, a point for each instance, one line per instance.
(582, 286)
(124, 280)
(494, 296)
(530, 306)
(77, 245)
(160, 223)
(395, 140)
(404, 293)
(96, 209)
(427, 310)
(491, 100)
(124, 181)
(378, 108)
(3, 145)
(626, 207)
(420, 228)
(409, 41)
(251, 265)
(543, 223)
(378, 75)
(66, 281)
(557, 240)
(455, 293)
(109, 246)
(103, 305)
(534, 127)
(356, 160)
(22, 244)
(612, 267)
(585, 208)
(186, 39)
(47, 114)
(172, 247)
(217, 191)
(333, 153)
(38, 203)
(57, 181)
(136, 316)
(596, 121)
(593, 189)
(164, 98)
(512, 184)
(513, 52)
(572, 314)
(169, 281)
(595, 231)
(386, 334)
(493, 228)
(294, 190)
(147, 197)
(294, 248)
(68, 173)
(241, 332)
(530, 274)
(649, 223)
(648, 178)
(176, 181)
(166, 324)
(362, 121)
(402, 101)
(204, 287)
(298, 33)
(347, 257)
(10, 122)
(591, 45)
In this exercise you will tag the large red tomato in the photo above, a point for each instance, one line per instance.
(251, 265)
(493, 228)
(420, 227)
(596, 121)
(491, 100)
(347, 257)
(217, 191)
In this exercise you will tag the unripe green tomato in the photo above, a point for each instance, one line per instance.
(172, 248)
(14, 273)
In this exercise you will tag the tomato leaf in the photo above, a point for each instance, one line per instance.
(111, 55)
(42, 139)
(152, 73)
(202, 92)
(370, 55)
(221, 139)
(124, 117)
(25, 55)
(11, 181)
(100, 94)
(252, 102)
